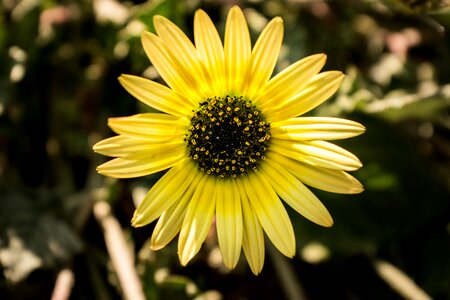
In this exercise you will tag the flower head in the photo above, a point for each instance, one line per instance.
(232, 139)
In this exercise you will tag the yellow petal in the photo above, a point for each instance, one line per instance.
(170, 221)
(173, 73)
(156, 95)
(335, 181)
(290, 81)
(144, 162)
(315, 128)
(253, 235)
(121, 145)
(237, 48)
(198, 220)
(271, 213)
(317, 153)
(229, 221)
(181, 49)
(319, 89)
(210, 50)
(264, 57)
(294, 193)
(164, 193)
(153, 126)
(177, 43)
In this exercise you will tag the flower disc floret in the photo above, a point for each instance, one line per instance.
(228, 136)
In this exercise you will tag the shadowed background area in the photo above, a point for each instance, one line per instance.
(65, 230)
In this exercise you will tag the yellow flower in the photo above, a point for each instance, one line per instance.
(231, 138)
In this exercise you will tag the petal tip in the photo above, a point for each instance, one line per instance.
(155, 247)
(328, 223)
(100, 169)
(322, 57)
(255, 267)
(184, 260)
(360, 190)
(277, 25)
(122, 78)
(146, 35)
(357, 188)
(136, 220)
(96, 147)
(230, 264)
(235, 8)
(256, 272)
(158, 19)
(278, 20)
(200, 13)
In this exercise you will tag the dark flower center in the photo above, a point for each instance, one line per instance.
(228, 136)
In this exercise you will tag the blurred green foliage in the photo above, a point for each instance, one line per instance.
(59, 64)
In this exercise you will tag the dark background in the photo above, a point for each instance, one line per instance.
(59, 63)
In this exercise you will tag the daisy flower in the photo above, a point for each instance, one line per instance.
(231, 138)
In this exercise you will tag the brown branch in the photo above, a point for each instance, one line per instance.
(63, 285)
(119, 252)
(399, 281)
(290, 283)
